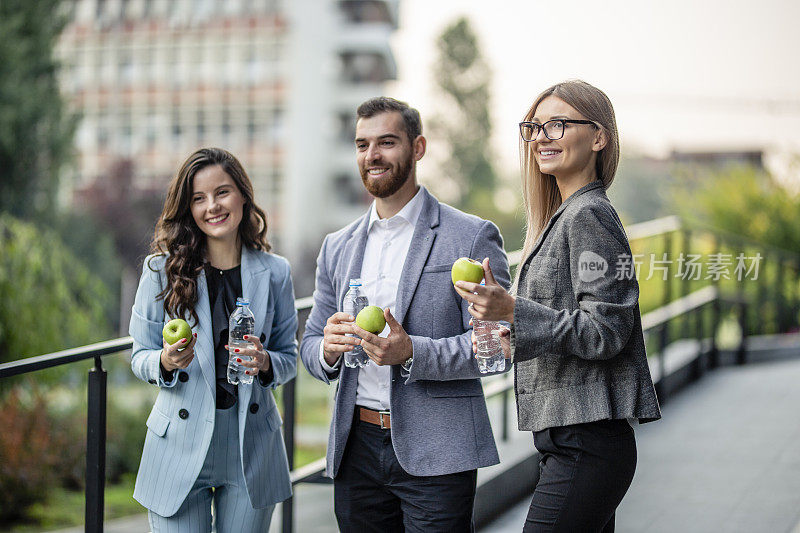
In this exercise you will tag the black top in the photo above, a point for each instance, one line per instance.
(224, 287)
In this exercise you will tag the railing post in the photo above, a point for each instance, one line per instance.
(796, 294)
(713, 359)
(505, 415)
(741, 353)
(701, 360)
(687, 240)
(96, 448)
(661, 388)
(780, 318)
(761, 295)
(289, 396)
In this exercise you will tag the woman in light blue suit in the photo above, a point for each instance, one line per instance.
(210, 443)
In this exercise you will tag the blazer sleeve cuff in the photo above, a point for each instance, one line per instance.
(532, 330)
(267, 379)
(157, 374)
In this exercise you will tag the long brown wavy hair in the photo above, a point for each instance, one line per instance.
(179, 239)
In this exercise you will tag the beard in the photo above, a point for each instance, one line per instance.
(385, 187)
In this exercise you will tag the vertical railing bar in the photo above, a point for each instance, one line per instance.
(684, 283)
(505, 414)
(96, 447)
(289, 396)
(760, 294)
(780, 318)
(715, 309)
(741, 354)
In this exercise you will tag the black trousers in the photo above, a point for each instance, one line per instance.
(584, 473)
(372, 492)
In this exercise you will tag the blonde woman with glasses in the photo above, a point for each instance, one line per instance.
(576, 332)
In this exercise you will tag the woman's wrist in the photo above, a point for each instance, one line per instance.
(510, 314)
(165, 362)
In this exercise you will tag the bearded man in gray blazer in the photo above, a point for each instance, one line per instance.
(410, 428)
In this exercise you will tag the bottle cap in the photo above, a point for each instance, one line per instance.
(242, 301)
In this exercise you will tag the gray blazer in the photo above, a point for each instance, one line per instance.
(439, 419)
(577, 340)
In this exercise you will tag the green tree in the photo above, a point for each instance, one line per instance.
(743, 201)
(49, 300)
(464, 123)
(464, 126)
(36, 130)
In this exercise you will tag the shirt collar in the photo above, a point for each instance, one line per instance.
(409, 213)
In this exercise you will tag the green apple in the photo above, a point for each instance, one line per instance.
(371, 319)
(176, 330)
(466, 269)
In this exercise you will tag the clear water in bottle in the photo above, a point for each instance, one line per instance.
(490, 351)
(242, 323)
(355, 301)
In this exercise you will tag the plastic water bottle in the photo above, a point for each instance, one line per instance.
(355, 301)
(242, 323)
(490, 351)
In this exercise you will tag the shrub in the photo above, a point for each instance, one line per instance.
(27, 454)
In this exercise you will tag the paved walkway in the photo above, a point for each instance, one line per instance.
(725, 458)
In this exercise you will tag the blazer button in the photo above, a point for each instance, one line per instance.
(183, 413)
(152, 382)
(254, 408)
(183, 377)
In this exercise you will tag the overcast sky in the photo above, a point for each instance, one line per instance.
(681, 74)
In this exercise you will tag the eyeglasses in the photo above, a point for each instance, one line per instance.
(553, 129)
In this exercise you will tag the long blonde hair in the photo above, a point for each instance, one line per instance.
(540, 192)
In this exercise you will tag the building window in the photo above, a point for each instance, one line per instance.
(360, 11)
(364, 67)
(347, 190)
(201, 125)
(347, 127)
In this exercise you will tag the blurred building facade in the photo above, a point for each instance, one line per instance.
(276, 82)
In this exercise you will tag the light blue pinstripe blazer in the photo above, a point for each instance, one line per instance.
(175, 447)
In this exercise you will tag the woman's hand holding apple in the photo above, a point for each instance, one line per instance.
(489, 302)
(178, 355)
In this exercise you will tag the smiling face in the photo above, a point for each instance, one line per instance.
(217, 204)
(575, 153)
(385, 154)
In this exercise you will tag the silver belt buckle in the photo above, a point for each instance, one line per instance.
(380, 414)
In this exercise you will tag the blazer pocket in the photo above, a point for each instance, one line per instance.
(436, 268)
(158, 422)
(541, 277)
(274, 419)
(456, 388)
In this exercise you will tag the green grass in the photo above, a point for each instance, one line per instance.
(65, 508)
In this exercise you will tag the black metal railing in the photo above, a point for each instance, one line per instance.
(687, 304)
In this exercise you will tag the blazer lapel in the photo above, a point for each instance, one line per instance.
(255, 287)
(204, 347)
(591, 186)
(351, 259)
(418, 252)
(349, 264)
(255, 283)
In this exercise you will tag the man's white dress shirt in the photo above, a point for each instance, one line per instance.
(388, 240)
